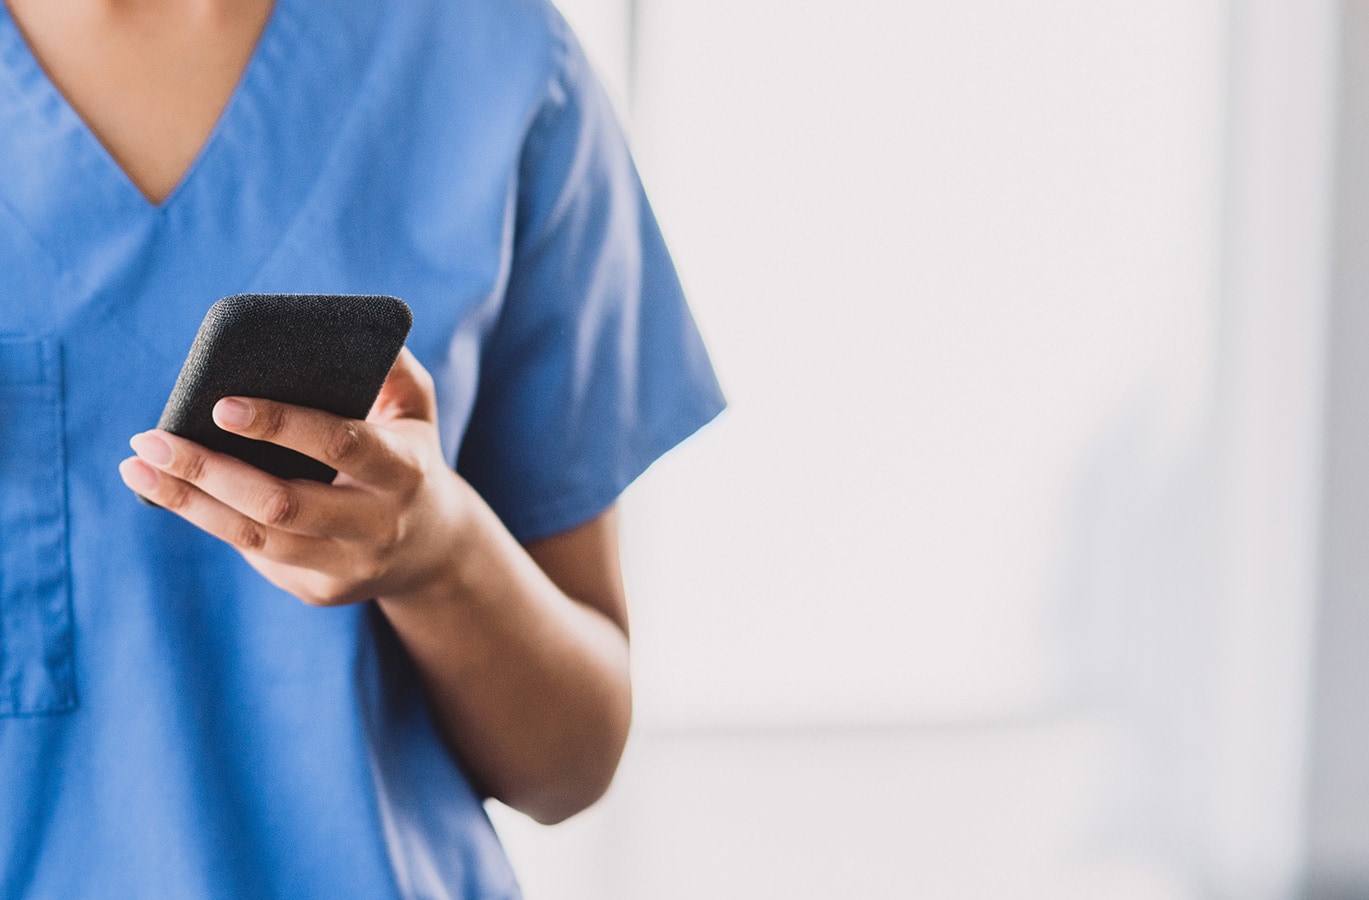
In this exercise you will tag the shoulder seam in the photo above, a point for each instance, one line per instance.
(560, 32)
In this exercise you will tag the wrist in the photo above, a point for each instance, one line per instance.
(447, 613)
(462, 551)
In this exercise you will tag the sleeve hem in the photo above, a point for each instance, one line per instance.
(579, 503)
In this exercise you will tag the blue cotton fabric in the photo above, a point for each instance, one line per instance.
(170, 723)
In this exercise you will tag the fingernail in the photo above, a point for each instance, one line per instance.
(138, 475)
(152, 448)
(231, 413)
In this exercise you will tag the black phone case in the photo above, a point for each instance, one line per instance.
(329, 352)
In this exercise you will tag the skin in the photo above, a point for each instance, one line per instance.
(149, 77)
(522, 649)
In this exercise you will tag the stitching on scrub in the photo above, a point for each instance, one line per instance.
(61, 694)
(61, 273)
(550, 105)
(310, 201)
(73, 698)
(578, 503)
(556, 101)
(308, 211)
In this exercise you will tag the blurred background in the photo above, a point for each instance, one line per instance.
(1026, 562)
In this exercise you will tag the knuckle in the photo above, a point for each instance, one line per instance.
(343, 443)
(249, 536)
(192, 466)
(280, 506)
(272, 419)
(176, 495)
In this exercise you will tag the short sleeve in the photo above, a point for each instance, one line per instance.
(595, 367)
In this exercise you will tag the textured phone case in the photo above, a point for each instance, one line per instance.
(329, 352)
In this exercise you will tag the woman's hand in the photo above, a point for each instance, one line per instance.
(391, 525)
(523, 651)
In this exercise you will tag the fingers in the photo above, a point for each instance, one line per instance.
(326, 544)
(350, 446)
(222, 521)
(299, 507)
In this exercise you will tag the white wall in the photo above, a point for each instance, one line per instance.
(941, 251)
(1338, 789)
(942, 606)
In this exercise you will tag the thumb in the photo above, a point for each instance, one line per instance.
(407, 392)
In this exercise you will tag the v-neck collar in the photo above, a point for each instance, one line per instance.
(248, 182)
(18, 55)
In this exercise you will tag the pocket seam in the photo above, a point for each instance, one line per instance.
(48, 642)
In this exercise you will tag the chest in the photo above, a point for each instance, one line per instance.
(150, 81)
(352, 157)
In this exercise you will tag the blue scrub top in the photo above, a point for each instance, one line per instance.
(171, 724)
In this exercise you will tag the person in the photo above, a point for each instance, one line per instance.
(174, 721)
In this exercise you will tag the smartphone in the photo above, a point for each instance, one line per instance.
(326, 351)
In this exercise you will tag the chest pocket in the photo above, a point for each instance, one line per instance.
(36, 665)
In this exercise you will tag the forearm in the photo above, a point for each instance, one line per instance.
(529, 686)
